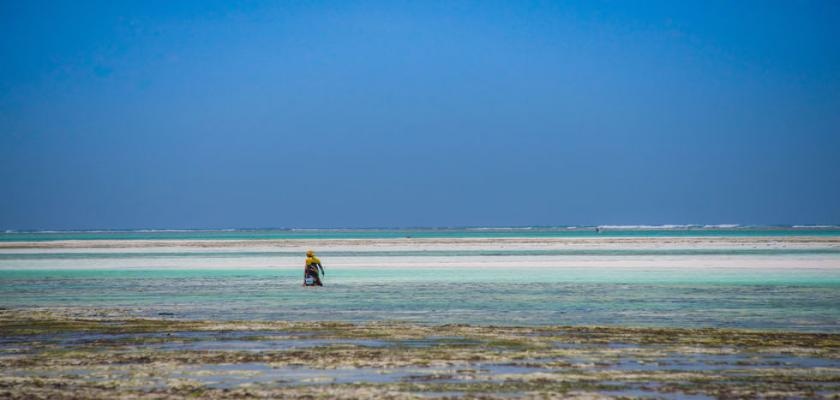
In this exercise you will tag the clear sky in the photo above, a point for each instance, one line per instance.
(200, 114)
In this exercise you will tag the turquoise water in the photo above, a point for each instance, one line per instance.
(417, 233)
(800, 292)
(801, 299)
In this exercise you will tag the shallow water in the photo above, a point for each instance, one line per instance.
(794, 299)
(780, 282)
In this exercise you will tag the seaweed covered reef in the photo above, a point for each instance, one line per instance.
(106, 354)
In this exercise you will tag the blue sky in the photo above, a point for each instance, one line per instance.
(197, 114)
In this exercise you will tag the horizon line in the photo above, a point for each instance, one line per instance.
(464, 227)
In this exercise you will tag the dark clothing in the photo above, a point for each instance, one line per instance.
(313, 264)
(312, 271)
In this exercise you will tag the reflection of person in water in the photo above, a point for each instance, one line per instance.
(310, 273)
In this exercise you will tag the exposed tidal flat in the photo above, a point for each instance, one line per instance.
(104, 354)
(738, 316)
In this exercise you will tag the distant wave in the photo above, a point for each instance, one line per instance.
(669, 226)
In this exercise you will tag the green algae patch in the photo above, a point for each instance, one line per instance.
(50, 354)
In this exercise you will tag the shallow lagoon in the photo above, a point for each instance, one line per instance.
(797, 299)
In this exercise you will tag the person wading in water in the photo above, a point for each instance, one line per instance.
(310, 273)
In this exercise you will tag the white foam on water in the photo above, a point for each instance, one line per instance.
(648, 227)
